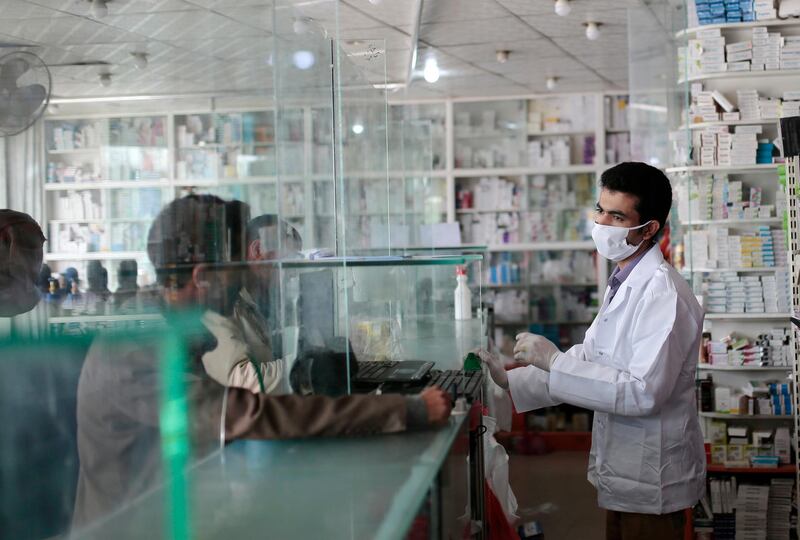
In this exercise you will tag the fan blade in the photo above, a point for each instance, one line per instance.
(26, 100)
(10, 71)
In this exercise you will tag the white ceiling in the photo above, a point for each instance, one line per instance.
(224, 45)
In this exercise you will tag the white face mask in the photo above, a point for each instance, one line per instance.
(612, 242)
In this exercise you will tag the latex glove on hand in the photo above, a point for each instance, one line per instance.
(496, 368)
(535, 350)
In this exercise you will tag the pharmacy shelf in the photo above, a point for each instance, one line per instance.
(587, 245)
(101, 220)
(69, 151)
(757, 168)
(617, 130)
(488, 211)
(761, 269)
(228, 145)
(526, 171)
(757, 122)
(728, 416)
(504, 285)
(769, 23)
(95, 256)
(711, 367)
(528, 323)
(241, 180)
(737, 75)
(492, 135)
(783, 469)
(108, 184)
(535, 133)
(541, 284)
(747, 317)
(734, 222)
(105, 318)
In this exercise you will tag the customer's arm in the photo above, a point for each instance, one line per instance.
(258, 416)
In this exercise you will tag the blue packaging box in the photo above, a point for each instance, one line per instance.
(748, 17)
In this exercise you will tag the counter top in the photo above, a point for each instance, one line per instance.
(348, 488)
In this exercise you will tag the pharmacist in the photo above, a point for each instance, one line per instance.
(635, 367)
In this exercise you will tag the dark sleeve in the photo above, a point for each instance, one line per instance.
(259, 416)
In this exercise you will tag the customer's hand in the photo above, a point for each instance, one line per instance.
(496, 368)
(535, 350)
(438, 404)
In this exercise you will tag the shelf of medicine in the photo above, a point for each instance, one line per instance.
(101, 220)
(213, 182)
(736, 75)
(108, 184)
(537, 133)
(528, 323)
(783, 469)
(487, 210)
(747, 316)
(526, 171)
(67, 151)
(728, 416)
(711, 367)
(105, 318)
(95, 256)
(756, 122)
(492, 135)
(754, 221)
(587, 245)
(770, 23)
(541, 284)
(737, 270)
(755, 168)
(230, 145)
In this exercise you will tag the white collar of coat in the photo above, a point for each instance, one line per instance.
(647, 266)
(641, 273)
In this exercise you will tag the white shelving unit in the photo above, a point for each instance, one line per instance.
(769, 84)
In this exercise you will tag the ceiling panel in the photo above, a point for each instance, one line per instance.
(486, 53)
(463, 10)
(471, 32)
(580, 8)
(612, 21)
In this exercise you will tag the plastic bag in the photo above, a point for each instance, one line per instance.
(496, 470)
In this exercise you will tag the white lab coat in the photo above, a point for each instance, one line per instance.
(636, 370)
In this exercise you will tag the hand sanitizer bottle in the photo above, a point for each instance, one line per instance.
(463, 296)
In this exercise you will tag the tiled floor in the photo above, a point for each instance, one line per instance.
(553, 490)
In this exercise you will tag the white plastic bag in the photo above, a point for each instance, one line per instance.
(495, 461)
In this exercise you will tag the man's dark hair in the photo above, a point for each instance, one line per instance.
(193, 230)
(289, 237)
(649, 185)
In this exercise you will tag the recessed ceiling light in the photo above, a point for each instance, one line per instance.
(303, 59)
(502, 56)
(105, 79)
(358, 128)
(99, 9)
(563, 8)
(592, 30)
(139, 59)
(551, 83)
(301, 25)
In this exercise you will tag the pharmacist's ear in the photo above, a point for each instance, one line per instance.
(651, 230)
(254, 250)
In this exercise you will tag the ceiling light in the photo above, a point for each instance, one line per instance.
(358, 128)
(592, 30)
(431, 71)
(139, 59)
(375, 2)
(53, 108)
(105, 79)
(563, 8)
(99, 9)
(303, 59)
(301, 25)
(551, 83)
(502, 56)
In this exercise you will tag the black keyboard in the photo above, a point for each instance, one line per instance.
(466, 384)
(373, 372)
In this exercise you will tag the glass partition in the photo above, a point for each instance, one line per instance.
(224, 261)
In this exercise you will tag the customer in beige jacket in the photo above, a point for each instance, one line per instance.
(196, 245)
